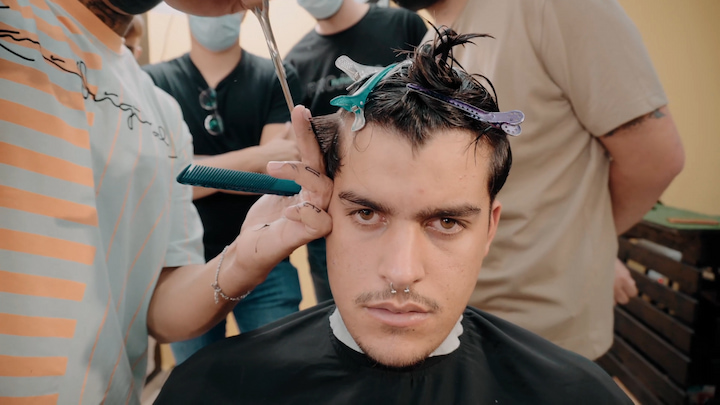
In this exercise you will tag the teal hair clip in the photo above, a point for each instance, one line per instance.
(355, 102)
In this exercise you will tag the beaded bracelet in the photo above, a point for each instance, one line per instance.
(216, 286)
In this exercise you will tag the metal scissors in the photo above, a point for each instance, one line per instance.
(262, 15)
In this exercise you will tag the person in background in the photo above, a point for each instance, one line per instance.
(99, 244)
(234, 106)
(370, 35)
(410, 184)
(598, 149)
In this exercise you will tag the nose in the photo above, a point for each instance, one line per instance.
(402, 259)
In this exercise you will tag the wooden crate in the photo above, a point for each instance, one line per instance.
(667, 340)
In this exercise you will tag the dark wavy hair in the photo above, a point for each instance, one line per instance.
(411, 114)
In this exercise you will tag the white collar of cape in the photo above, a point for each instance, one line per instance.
(449, 345)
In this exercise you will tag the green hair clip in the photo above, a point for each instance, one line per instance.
(509, 122)
(355, 102)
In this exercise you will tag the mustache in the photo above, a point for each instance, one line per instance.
(401, 296)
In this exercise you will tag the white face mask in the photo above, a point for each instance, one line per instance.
(321, 9)
(216, 33)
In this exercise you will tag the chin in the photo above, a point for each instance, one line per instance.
(396, 355)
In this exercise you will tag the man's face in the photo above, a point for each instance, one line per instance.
(420, 219)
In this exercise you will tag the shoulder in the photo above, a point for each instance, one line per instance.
(168, 104)
(164, 72)
(279, 340)
(541, 367)
(393, 13)
(303, 49)
(578, 14)
(259, 366)
(508, 336)
(251, 358)
(263, 69)
(407, 25)
(256, 66)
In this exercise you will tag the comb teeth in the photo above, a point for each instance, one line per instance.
(224, 179)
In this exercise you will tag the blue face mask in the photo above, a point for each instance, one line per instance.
(216, 33)
(321, 9)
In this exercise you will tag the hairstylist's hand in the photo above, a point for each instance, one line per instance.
(213, 7)
(275, 226)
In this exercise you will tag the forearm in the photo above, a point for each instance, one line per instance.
(247, 159)
(183, 304)
(200, 192)
(277, 142)
(250, 159)
(632, 197)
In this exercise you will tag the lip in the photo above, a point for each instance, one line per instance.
(399, 316)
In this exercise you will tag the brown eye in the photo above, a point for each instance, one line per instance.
(447, 223)
(446, 226)
(366, 215)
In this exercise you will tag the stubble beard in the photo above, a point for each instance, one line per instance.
(396, 358)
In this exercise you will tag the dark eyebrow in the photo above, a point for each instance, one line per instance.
(353, 198)
(461, 211)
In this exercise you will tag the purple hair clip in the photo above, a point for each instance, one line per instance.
(509, 122)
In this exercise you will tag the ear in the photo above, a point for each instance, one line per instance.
(495, 209)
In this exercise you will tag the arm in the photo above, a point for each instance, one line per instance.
(183, 305)
(646, 155)
(615, 100)
(277, 142)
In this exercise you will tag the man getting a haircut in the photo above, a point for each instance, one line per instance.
(412, 165)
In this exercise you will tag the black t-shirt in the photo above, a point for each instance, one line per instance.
(374, 41)
(248, 98)
(298, 360)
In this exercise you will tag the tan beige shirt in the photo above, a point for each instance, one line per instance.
(577, 69)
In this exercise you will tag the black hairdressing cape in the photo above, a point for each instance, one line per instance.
(298, 360)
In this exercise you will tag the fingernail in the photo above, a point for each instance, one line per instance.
(275, 165)
(307, 114)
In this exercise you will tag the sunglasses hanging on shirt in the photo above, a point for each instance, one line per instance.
(213, 122)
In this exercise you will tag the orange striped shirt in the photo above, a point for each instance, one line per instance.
(89, 209)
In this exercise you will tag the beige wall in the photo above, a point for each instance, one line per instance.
(683, 40)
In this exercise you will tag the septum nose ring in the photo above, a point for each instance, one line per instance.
(394, 291)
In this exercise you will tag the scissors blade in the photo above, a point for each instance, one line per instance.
(262, 16)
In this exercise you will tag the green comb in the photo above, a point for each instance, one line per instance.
(225, 179)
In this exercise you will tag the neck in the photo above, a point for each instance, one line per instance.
(449, 345)
(445, 12)
(350, 13)
(114, 19)
(214, 66)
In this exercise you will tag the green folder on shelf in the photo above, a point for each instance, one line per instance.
(681, 219)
